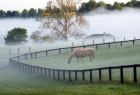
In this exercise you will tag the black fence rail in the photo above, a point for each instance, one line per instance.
(85, 75)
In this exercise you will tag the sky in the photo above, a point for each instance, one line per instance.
(27, 4)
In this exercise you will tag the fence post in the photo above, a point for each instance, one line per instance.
(46, 53)
(31, 69)
(49, 73)
(31, 55)
(93, 42)
(108, 45)
(124, 38)
(58, 74)
(53, 74)
(110, 74)
(34, 68)
(70, 75)
(83, 75)
(60, 51)
(18, 50)
(133, 42)
(75, 75)
(25, 56)
(121, 43)
(37, 70)
(100, 75)
(18, 58)
(135, 73)
(41, 70)
(64, 74)
(28, 68)
(45, 73)
(91, 76)
(84, 46)
(96, 47)
(121, 75)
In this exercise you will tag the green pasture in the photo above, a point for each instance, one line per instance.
(17, 82)
(103, 57)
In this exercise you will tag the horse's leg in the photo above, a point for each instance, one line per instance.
(82, 60)
(93, 55)
(77, 59)
(90, 57)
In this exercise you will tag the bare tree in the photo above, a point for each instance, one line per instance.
(61, 19)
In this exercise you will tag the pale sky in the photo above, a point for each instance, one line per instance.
(27, 4)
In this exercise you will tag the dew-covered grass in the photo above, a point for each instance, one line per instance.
(17, 82)
(104, 57)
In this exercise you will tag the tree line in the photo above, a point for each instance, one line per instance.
(25, 13)
(85, 7)
(92, 4)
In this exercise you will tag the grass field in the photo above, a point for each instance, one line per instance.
(104, 57)
(17, 82)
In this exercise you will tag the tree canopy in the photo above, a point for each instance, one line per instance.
(92, 4)
(24, 13)
(16, 35)
(62, 20)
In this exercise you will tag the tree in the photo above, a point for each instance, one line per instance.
(101, 4)
(117, 6)
(92, 5)
(16, 35)
(62, 21)
(15, 14)
(24, 13)
(36, 36)
(40, 12)
(32, 12)
(2, 13)
(8, 13)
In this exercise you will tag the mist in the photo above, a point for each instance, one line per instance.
(120, 24)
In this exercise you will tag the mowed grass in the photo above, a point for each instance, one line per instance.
(103, 57)
(16, 82)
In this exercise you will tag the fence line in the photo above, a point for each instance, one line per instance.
(30, 49)
(75, 75)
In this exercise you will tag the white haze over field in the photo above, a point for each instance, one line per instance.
(118, 23)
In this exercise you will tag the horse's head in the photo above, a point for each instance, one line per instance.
(70, 57)
(69, 60)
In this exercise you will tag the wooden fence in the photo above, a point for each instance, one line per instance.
(85, 75)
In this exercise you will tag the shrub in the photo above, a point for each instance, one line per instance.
(16, 35)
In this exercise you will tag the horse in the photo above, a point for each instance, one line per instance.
(81, 53)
